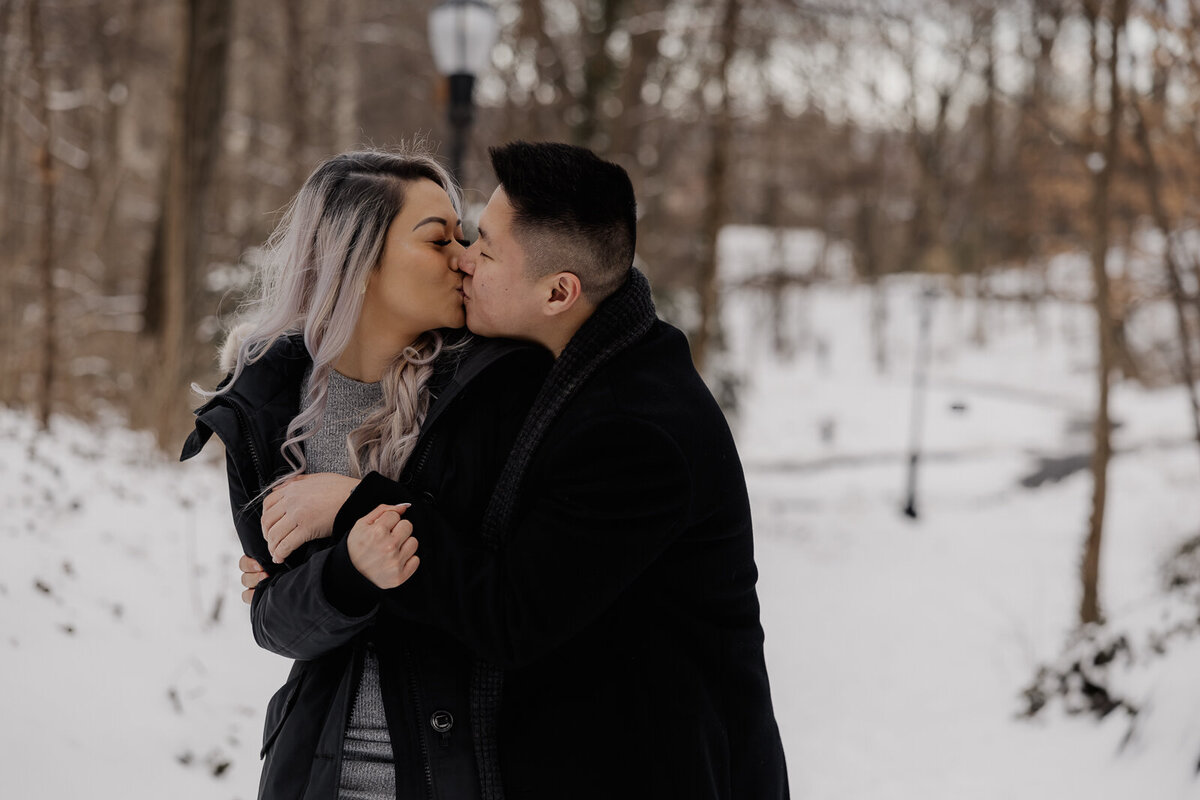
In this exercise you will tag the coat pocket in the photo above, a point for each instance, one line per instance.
(280, 706)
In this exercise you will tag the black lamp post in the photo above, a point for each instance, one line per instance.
(461, 34)
(920, 373)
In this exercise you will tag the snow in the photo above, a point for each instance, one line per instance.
(117, 682)
(898, 648)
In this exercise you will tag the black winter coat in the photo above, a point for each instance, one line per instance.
(621, 601)
(481, 395)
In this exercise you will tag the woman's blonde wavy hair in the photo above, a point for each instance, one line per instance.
(312, 281)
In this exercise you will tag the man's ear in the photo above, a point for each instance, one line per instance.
(565, 292)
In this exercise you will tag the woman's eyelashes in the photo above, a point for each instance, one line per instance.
(444, 242)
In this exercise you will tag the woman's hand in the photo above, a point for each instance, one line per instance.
(383, 548)
(303, 509)
(252, 575)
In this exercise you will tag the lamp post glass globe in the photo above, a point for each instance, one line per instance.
(461, 34)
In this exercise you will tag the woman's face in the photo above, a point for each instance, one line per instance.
(417, 285)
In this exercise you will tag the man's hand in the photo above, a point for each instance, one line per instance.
(252, 576)
(383, 548)
(303, 509)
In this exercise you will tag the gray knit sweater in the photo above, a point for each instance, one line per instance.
(368, 769)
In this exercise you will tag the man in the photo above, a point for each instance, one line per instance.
(610, 594)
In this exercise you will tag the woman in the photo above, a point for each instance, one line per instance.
(342, 362)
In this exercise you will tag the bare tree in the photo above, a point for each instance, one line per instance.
(601, 72)
(11, 52)
(977, 239)
(47, 179)
(714, 180)
(1089, 608)
(199, 102)
(1152, 179)
(343, 17)
(298, 87)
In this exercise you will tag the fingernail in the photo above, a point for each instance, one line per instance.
(402, 506)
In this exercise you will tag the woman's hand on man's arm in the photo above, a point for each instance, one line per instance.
(303, 509)
(381, 545)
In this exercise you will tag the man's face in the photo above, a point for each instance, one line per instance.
(501, 300)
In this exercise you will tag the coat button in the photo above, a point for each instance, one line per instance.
(441, 721)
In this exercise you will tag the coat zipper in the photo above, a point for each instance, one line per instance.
(418, 713)
(413, 686)
(244, 419)
(423, 456)
(357, 655)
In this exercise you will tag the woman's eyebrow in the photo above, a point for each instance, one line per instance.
(427, 220)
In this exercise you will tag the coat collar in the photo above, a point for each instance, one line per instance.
(267, 392)
(619, 321)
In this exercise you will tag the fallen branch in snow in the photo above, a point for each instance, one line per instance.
(1081, 678)
(1097, 673)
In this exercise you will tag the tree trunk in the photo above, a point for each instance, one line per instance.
(108, 169)
(1152, 179)
(599, 74)
(298, 88)
(714, 212)
(1089, 609)
(8, 66)
(980, 241)
(344, 20)
(626, 135)
(200, 94)
(9, 374)
(47, 177)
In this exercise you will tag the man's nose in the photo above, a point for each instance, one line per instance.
(465, 264)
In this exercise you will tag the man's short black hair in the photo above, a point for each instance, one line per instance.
(573, 212)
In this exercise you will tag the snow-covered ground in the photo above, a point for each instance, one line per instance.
(117, 680)
(898, 648)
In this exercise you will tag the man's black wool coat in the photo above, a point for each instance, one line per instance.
(620, 602)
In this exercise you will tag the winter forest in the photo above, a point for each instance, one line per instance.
(939, 261)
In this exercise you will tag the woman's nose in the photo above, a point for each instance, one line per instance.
(457, 251)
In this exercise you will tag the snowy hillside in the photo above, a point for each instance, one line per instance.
(898, 649)
(122, 676)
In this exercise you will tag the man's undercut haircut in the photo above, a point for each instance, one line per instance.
(572, 212)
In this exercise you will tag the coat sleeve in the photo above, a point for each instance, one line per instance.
(612, 497)
(247, 508)
(290, 613)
